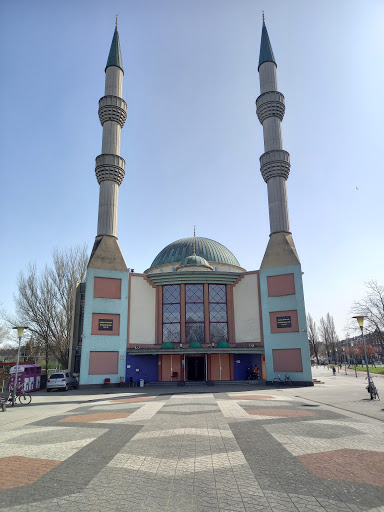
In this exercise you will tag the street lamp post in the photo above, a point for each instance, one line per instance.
(20, 331)
(344, 360)
(354, 359)
(360, 321)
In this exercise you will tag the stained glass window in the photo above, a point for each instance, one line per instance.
(218, 326)
(171, 313)
(171, 294)
(194, 313)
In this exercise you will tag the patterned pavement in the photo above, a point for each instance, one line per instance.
(235, 451)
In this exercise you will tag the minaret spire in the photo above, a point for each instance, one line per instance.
(275, 161)
(110, 166)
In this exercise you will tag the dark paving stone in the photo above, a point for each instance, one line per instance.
(275, 468)
(75, 473)
(326, 431)
(187, 413)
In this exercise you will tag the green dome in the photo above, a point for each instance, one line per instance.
(195, 261)
(167, 344)
(195, 344)
(223, 344)
(205, 247)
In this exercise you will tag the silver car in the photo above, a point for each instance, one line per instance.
(62, 380)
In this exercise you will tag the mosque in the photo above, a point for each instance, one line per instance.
(196, 314)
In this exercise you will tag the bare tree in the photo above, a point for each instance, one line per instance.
(44, 300)
(372, 306)
(313, 337)
(328, 335)
(4, 335)
(5, 330)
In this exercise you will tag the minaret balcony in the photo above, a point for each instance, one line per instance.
(110, 168)
(270, 104)
(112, 108)
(275, 163)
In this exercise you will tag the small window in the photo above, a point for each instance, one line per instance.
(216, 269)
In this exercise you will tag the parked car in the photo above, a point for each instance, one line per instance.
(62, 380)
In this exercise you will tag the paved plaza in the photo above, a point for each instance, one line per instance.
(233, 448)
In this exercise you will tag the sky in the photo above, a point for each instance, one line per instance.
(192, 140)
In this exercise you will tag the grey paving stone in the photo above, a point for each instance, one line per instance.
(179, 473)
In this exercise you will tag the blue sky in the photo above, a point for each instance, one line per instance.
(192, 140)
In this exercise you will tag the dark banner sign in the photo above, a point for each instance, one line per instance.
(283, 321)
(105, 325)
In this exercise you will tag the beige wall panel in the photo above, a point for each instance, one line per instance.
(247, 310)
(142, 320)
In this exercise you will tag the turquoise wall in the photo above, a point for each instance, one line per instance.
(285, 340)
(102, 343)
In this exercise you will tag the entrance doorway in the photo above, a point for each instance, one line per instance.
(195, 367)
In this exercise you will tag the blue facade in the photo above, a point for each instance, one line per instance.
(285, 340)
(102, 343)
(147, 366)
(244, 361)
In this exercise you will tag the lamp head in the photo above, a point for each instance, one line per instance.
(20, 330)
(360, 319)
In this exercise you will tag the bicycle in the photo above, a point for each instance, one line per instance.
(23, 397)
(372, 389)
(287, 381)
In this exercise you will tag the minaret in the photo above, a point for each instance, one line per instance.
(110, 166)
(274, 162)
(281, 284)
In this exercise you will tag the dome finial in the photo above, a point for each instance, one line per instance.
(194, 240)
(117, 20)
(263, 17)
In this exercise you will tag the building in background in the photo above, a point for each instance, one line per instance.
(196, 314)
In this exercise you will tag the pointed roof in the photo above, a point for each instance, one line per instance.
(266, 52)
(114, 57)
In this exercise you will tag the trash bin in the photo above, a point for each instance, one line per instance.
(141, 383)
(43, 381)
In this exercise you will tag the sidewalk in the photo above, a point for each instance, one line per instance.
(207, 449)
